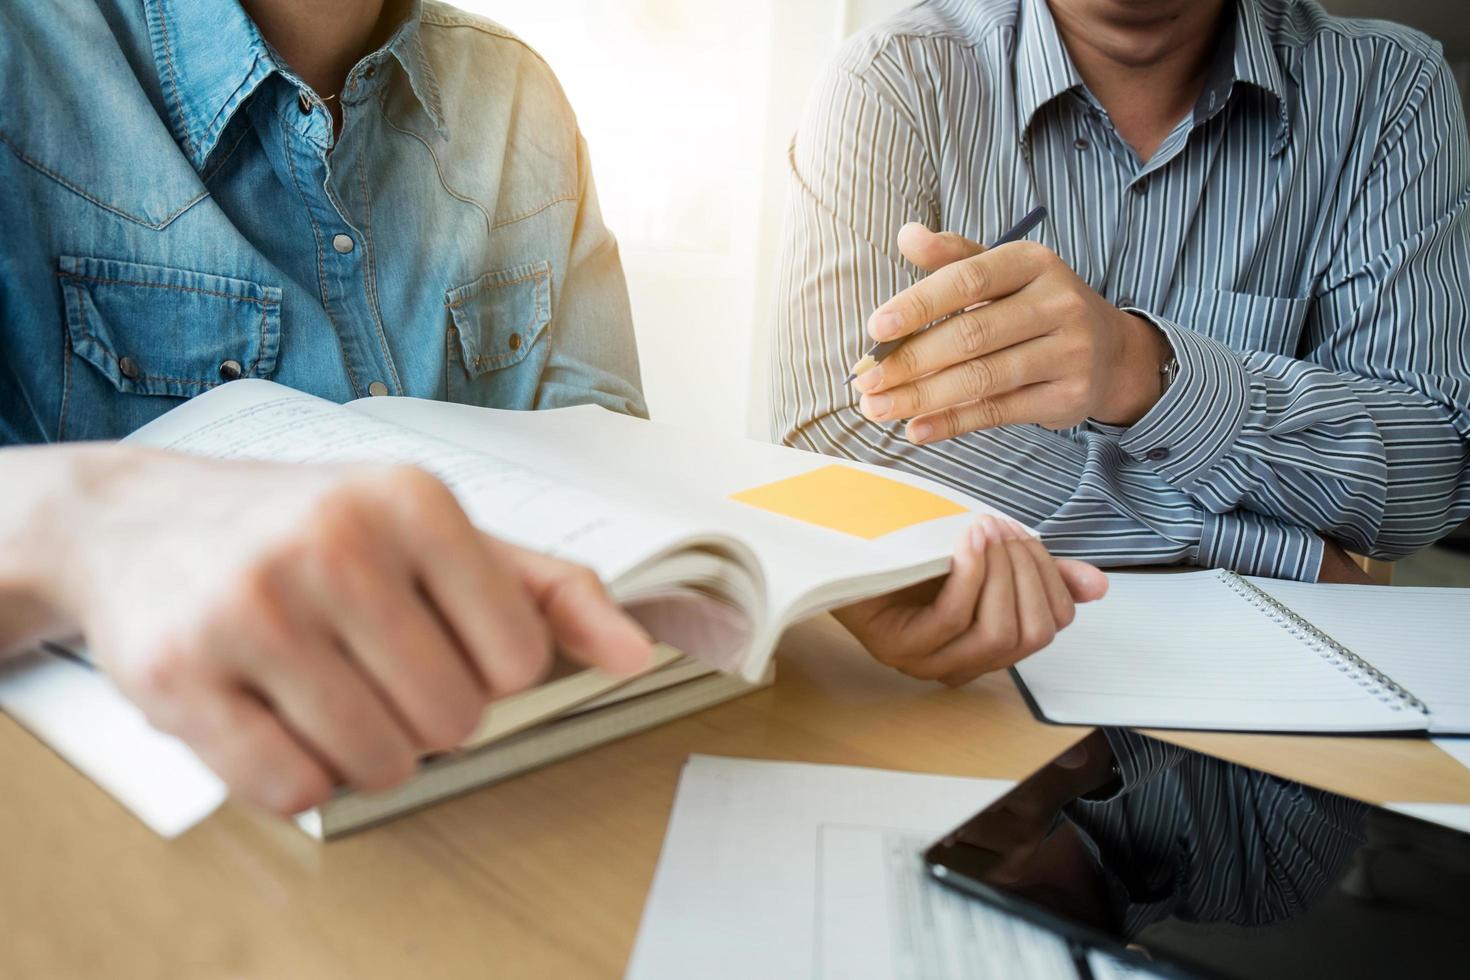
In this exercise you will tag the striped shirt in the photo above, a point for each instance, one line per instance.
(1197, 838)
(1302, 238)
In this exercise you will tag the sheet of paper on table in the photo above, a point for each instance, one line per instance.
(775, 869)
(88, 722)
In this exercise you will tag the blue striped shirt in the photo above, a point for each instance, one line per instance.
(1302, 238)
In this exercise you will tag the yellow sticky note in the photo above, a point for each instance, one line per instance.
(849, 500)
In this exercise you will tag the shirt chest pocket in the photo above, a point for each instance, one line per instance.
(495, 343)
(1243, 321)
(141, 338)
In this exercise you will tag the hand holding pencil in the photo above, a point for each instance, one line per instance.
(1013, 336)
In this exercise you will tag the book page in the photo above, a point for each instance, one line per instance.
(1420, 637)
(787, 505)
(264, 421)
(1185, 651)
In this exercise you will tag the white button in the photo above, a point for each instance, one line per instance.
(377, 389)
(342, 243)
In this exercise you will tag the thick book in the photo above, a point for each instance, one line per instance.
(1219, 651)
(715, 544)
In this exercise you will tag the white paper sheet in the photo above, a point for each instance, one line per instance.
(1456, 815)
(774, 869)
(1458, 747)
(86, 721)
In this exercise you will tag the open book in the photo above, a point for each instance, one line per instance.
(1215, 650)
(714, 544)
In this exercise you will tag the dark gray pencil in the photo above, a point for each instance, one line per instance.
(878, 352)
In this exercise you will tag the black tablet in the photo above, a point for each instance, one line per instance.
(1156, 860)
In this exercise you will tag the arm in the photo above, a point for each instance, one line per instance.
(1367, 436)
(595, 355)
(860, 171)
(297, 626)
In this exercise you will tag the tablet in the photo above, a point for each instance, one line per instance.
(1155, 860)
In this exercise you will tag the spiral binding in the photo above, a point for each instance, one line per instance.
(1368, 677)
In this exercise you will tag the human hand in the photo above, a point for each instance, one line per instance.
(300, 626)
(1004, 598)
(1029, 342)
(1338, 566)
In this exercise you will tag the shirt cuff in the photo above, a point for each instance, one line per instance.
(1199, 416)
(1254, 544)
(1139, 759)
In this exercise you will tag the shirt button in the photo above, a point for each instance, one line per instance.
(377, 389)
(1157, 454)
(230, 370)
(343, 243)
(514, 341)
(1124, 301)
(129, 368)
(1080, 143)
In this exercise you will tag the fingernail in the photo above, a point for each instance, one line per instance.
(869, 380)
(1009, 530)
(920, 432)
(877, 406)
(884, 326)
(1073, 758)
(977, 537)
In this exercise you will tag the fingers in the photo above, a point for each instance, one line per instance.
(1015, 616)
(1085, 582)
(332, 710)
(585, 623)
(1033, 403)
(991, 275)
(401, 643)
(933, 250)
(476, 591)
(1059, 598)
(1037, 627)
(965, 382)
(246, 745)
(963, 337)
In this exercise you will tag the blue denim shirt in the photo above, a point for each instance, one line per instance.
(175, 213)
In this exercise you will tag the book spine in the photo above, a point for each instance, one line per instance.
(1367, 676)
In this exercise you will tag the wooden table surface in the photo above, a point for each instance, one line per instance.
(543, 875)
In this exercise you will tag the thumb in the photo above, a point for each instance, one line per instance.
(930, 250)
(1085, 582)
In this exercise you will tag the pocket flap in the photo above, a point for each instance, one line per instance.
(153, 330)
(500, 315)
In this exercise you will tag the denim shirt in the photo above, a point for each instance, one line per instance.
(175, 213)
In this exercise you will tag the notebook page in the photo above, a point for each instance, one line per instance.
(1186, 651)
(1418, 637)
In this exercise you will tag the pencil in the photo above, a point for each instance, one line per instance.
(878, 352)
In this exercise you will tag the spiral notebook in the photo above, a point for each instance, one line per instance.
(1218, 651)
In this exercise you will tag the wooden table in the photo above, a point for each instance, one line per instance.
(543, 875)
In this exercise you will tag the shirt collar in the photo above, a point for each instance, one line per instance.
(211, 58)
(406, 45)
(1248, 58)
(1044, 70)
